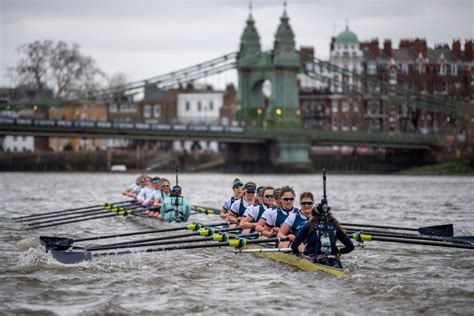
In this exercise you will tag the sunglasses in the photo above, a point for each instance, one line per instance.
(307, 203)
(288, 199)
(251, 192)
(269, 196)
(165, 186)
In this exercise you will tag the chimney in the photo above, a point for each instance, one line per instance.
(420, 45)
(306, 53)
(387, 47)
(457, 49)
(468, 50)
(333, 40)
(373, 46)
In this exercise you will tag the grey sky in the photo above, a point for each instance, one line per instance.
(145, 38)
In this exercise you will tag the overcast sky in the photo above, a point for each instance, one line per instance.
(145, 38)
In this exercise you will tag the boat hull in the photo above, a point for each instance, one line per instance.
(300, 262)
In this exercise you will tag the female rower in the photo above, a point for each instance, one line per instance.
(253, 214)
(134, 189)
(270, 222)
(238, 192)
(321, 233)
(259, 197)
(239, 207)
(163, 193)
(296, 220)
(147, 189)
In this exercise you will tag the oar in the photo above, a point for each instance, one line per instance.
(119, 213)
(96, 212)
(438, 230)
(205, 210)
(78, 256)
(207, 234)
(90, 211)
(71, 210)
(455, 239)
(364, 237)
(49, 241)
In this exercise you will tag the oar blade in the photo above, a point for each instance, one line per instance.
(50, 242)
(71, 257)
(464, 238)
(439, 230)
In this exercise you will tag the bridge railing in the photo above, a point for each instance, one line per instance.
(120, 125)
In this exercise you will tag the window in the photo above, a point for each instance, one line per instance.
(442, 70)
(345, 106)
(421, 68)
(157, 110)
(404, 68)
(335, 107)
(372, 68)
(454, 70)
(199, 106)
(188, 106)
(392, 77)
(147, 111)
(211, 106)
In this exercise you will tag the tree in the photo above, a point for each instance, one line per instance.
(59, 66)
(118, 79)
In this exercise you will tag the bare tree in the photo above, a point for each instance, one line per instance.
(32, 69)
(60, 66)
(118, 79)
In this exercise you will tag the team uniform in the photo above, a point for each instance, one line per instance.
(152, 196)
(228, 203)
(239, 207)
(175, 208)
(255, 212)
(144, 192)
(295, 221)
(135, 188)
(276, 217)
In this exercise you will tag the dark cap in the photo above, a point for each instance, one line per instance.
(156, 180)
(277, 193)
(250, 186)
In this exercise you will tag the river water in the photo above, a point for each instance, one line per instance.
(382, 278)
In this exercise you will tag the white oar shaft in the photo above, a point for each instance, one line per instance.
(264, 250)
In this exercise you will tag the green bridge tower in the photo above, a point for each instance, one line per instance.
(280, 110)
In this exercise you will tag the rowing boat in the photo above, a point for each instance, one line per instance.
(300, 262)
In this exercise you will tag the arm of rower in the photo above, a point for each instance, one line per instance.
(126, 192)
(283, 232)
(268, 231)
(246, 222)
(223, 213)
(260, 226)
(346, 241)
(232, 218)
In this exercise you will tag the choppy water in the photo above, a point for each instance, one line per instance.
(383, 278)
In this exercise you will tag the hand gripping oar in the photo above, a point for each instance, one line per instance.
(364, 237)
(209, 234)
(117, 213)
(96, 212)
(71, 210)
(78, 256)
(438, 230)
(106, 206)
(49, 241)
(455, 239)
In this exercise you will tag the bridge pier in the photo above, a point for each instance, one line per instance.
(291, 156)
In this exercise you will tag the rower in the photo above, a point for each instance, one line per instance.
(238, 192)
(259, 196)
(277, 197)
(175, 208)
(163, 193)
(253, 214)
(147, 189)
(238, 208)
(321, 233)
(295, 221)
(270, 222)
(134, 189)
